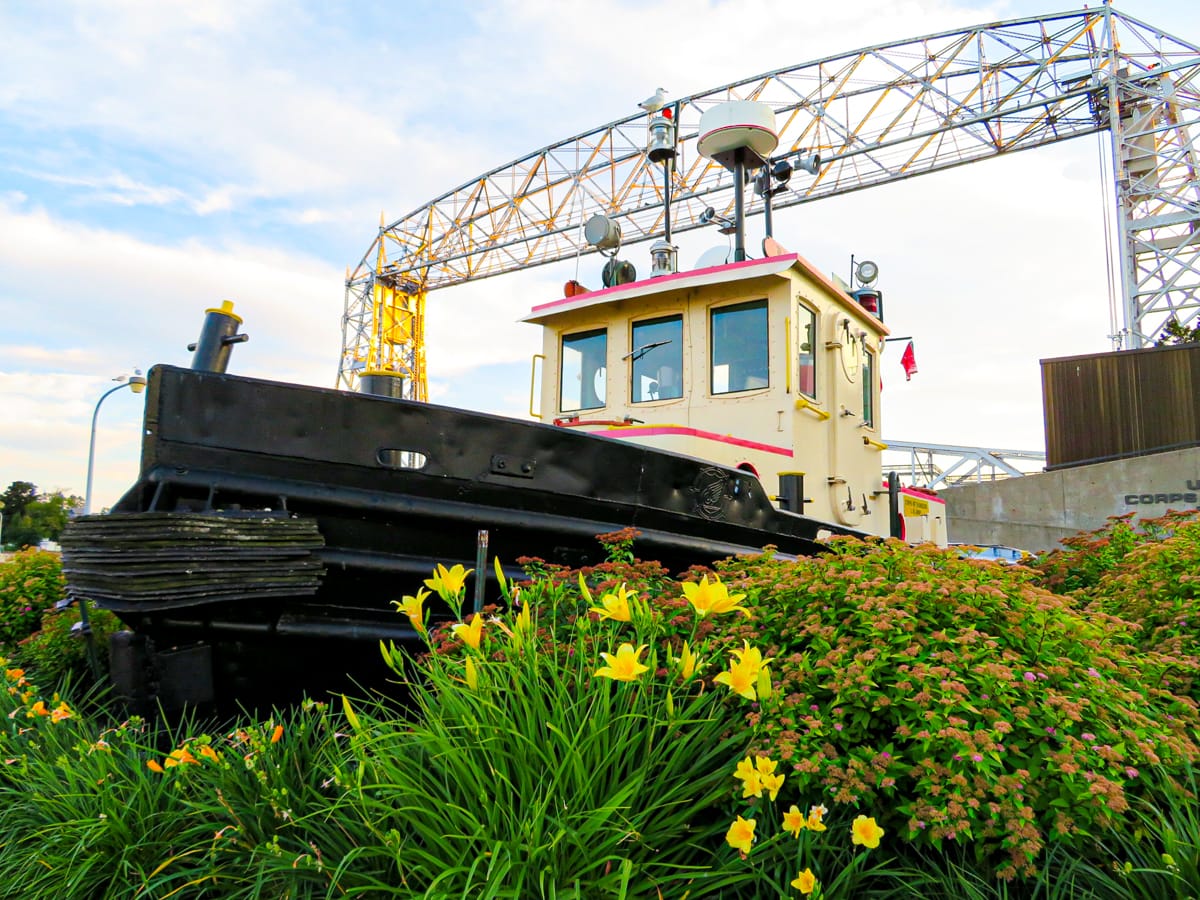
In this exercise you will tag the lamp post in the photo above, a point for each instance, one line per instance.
(137, 384)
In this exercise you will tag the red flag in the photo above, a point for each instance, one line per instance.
(909, 361)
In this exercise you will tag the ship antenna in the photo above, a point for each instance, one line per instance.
(735, 134)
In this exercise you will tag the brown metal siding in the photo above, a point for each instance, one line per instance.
(1109, 405)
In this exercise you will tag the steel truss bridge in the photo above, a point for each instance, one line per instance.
(875, 115)
(942, 465)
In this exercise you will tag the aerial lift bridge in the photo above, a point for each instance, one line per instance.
(873, 116)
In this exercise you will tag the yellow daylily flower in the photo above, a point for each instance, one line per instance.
(742, 677)
(712, 598)
(752, 786)
(414, 608)
(688, 662)
(615, 606)
(525, 619)
(739, 679)
(751, 657)
(208, 752)
(472, 675)
(765, 765)
(181, 757)
(624, 665)
(746, 769)
(38, 709)
(793, 821)
(805, 882)
(60, 712)
(865, 832)
(741, 834)
(815, 815)
(471, 633)
(448, 582)
(771, 784)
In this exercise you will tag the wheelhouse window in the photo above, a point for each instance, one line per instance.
(806, 379)
(739, 347)
(657, 357)
(868, 388)
(582, 371)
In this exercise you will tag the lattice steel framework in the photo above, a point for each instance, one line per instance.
(936, 466)
(875, 115)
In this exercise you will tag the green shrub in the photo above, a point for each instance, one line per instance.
(31, 582)
(90, 811)
(1156, 586)
(1088, 557)
(56, 652)
(958, 700)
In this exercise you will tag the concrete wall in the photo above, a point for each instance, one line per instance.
(1036, 511)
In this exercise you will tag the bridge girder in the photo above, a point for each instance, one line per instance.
(875, 115)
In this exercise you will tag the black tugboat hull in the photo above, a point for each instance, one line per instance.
(272, 517)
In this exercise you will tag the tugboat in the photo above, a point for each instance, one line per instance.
(717, 411)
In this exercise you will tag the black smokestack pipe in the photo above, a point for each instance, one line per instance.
(217, 337)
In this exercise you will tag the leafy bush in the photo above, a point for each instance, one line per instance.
(31, 582)
(90, 812)
(958, 700)
(1089, 557)
(1157, 587)
(56, 652)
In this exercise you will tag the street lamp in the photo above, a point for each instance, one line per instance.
(137, 384)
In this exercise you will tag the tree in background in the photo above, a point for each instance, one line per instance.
(1173, 333)
(16, 497)
(31, 517)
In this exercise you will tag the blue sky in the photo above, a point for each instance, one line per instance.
(157, 158)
